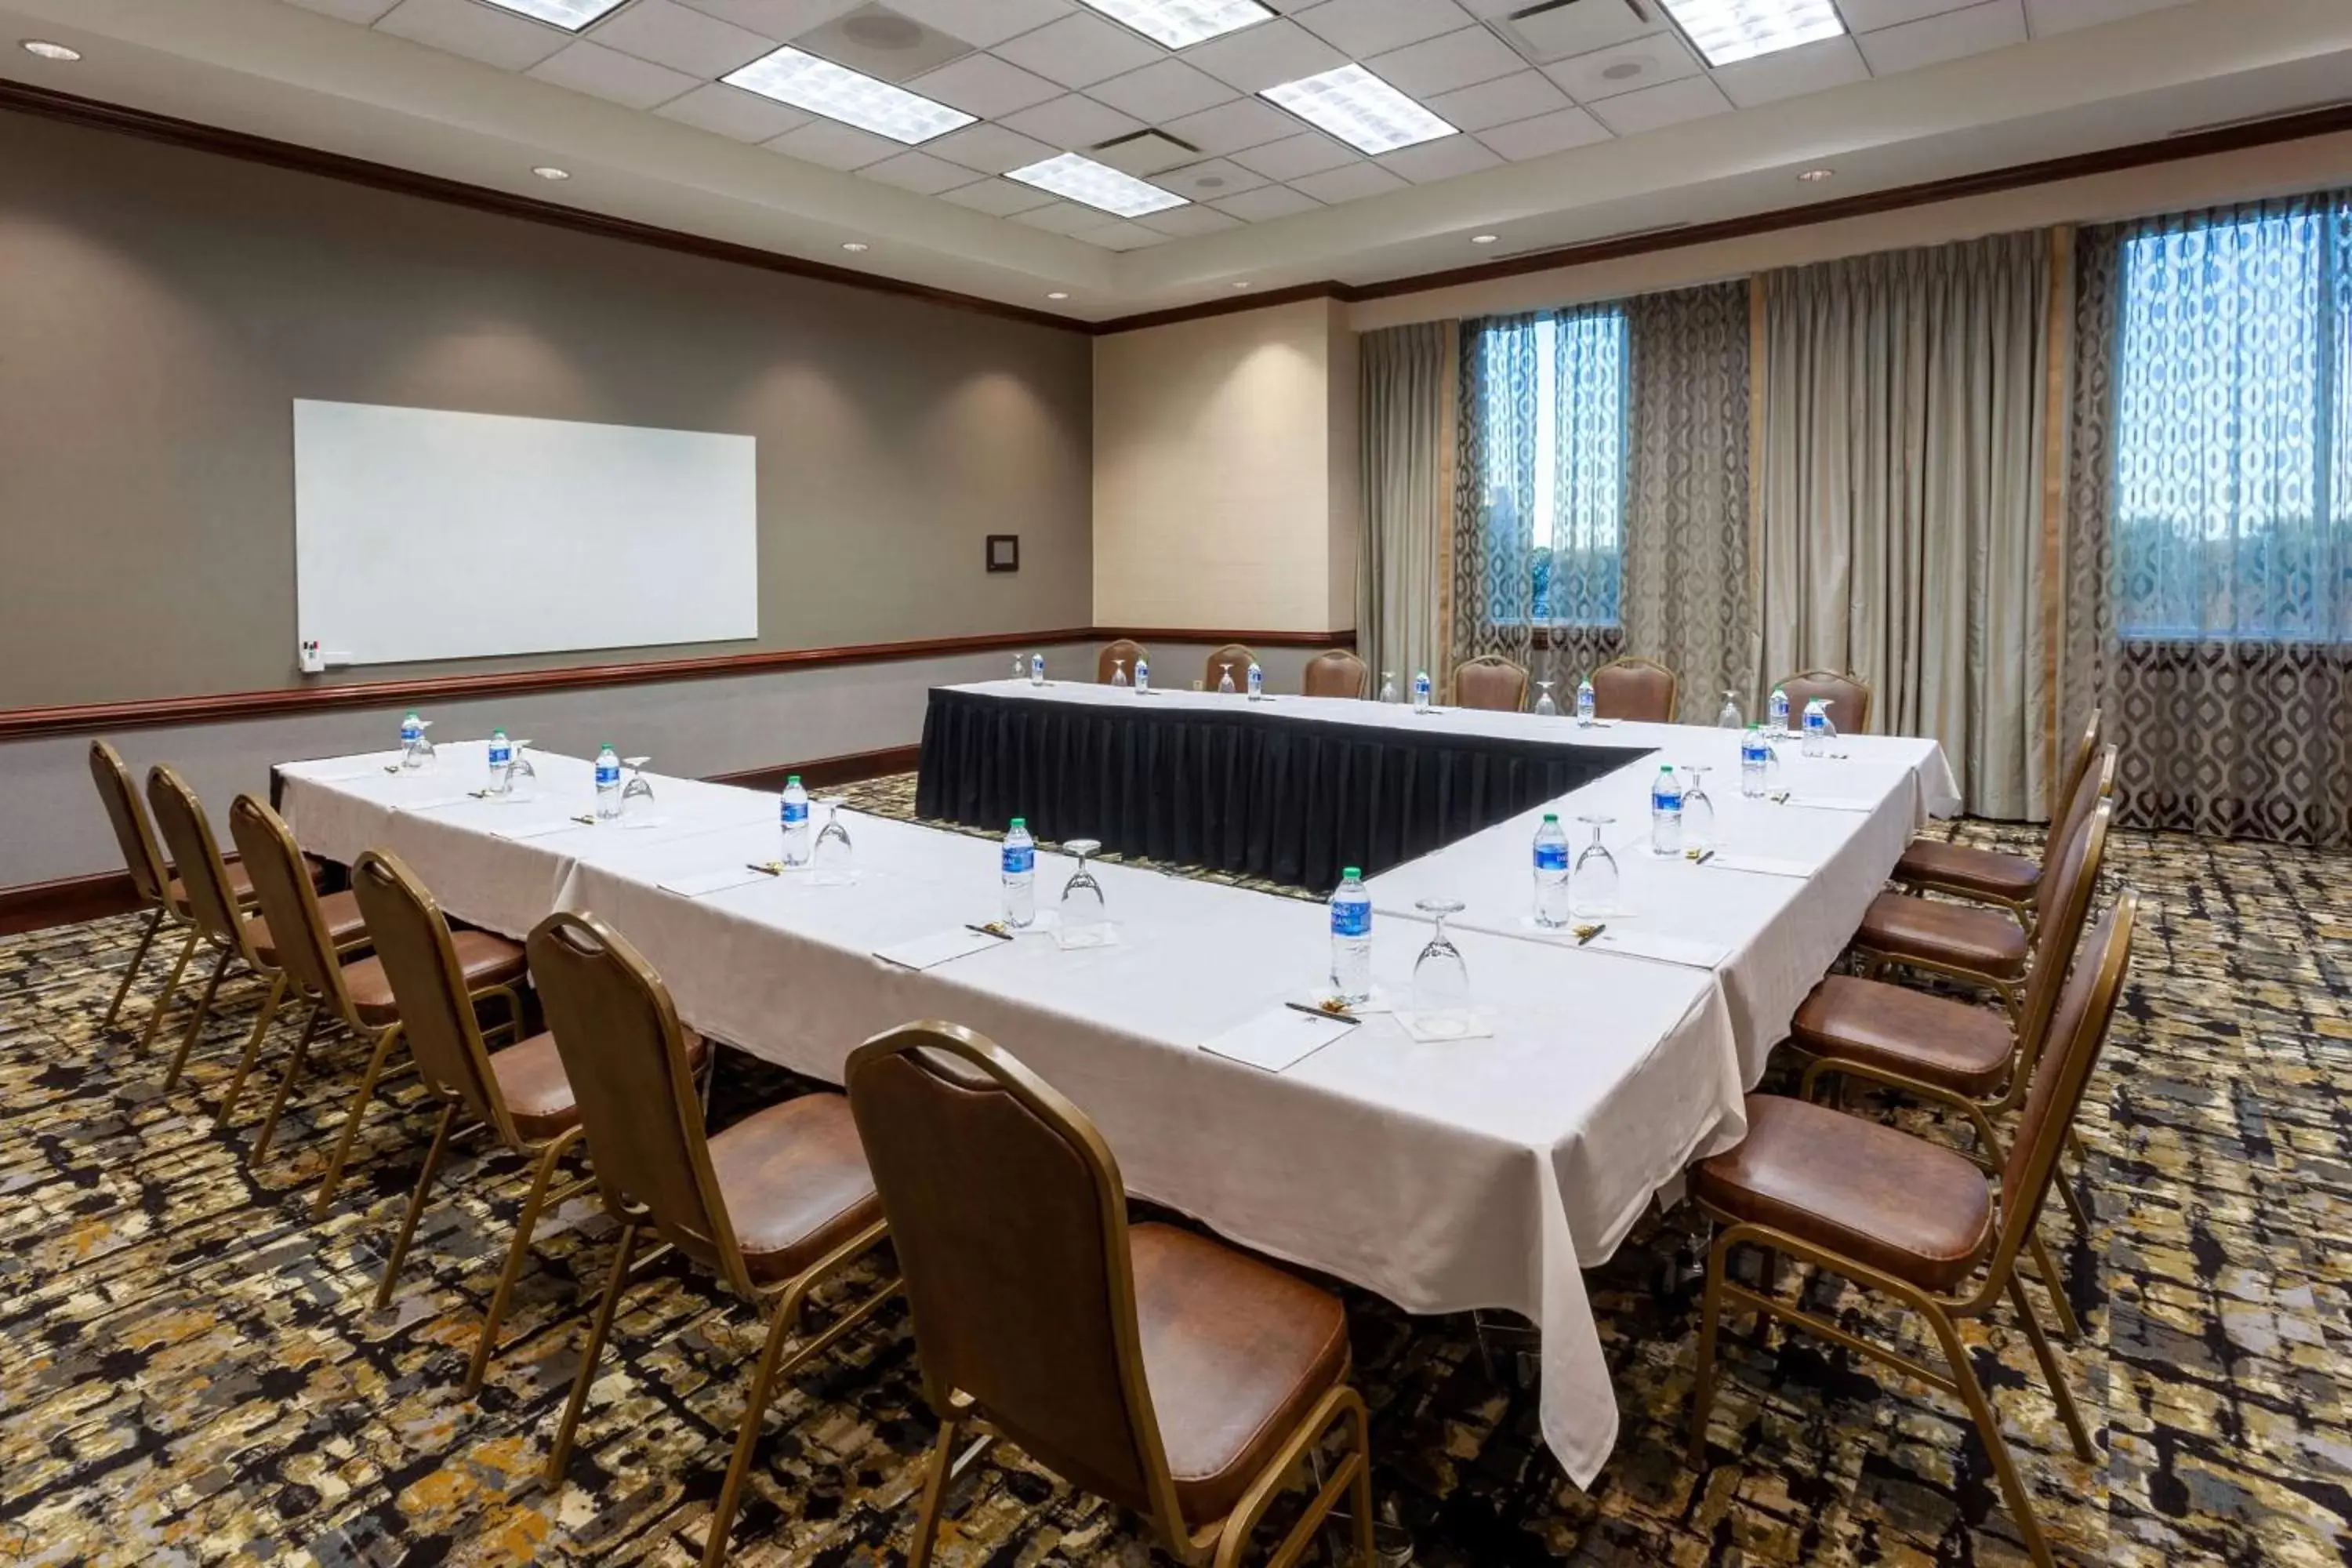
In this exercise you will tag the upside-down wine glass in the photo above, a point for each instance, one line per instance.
(1729, 718)
(832, 856)
(1698, 808)
(637, 789)
(1388, 686)
(1084, 922)
(1119, 672)
(1441, 981)
(1593, 881)
(1545, 707)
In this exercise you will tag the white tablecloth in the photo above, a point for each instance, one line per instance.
(1484, 1173)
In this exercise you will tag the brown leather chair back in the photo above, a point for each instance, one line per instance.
(1009, 1219)
(2092, 787)
(1234, 654)
(2064, 898)
(133, 834)
(1337, 673)
(625, 1052)
(1124, 649)
(1636, 687)
(283, 892)
(1849, 698)
(1490, 682)
(2085, 750)
(411, 938)
(196, 856)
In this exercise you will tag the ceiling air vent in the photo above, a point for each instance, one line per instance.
(1558, 28)
(1145, 153)
(882, 43)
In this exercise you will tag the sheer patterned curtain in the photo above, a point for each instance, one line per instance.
(2210, 568)
(1408, 398)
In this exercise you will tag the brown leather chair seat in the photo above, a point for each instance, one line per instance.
(1937, 1040)
(795, 1183)
(340, 912)
(1983, 873)
(1914, 1209)
(539, 1096)
(486, 961)
(1235, 1353)
(1982, 942)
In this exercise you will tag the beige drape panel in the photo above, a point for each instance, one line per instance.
(1686, 563)
(1406, 551)
(1900, 478)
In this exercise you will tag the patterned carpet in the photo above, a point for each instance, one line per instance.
(190, 1371)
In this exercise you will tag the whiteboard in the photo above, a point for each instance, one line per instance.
(422, 534)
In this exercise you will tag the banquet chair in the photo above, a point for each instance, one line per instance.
(774, 1206)
(1336, 673)
(1964, 942)
(216, 916)
(1234, 654)
(1636, 687)
(1490, 682)
(342, 988)
(1910, 1219)
(1848, 697)
(1123, 649)
(1168, 1373)
(1992, 875)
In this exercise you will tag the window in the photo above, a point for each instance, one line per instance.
(1554, 456)
(2233, 429)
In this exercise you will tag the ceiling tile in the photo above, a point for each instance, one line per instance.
(462, 28)
(1119, 235)
(1217, 178)
(1230, 127)
(1081, 50)
(1144, 154)
(731, 112)
(1559, 32)
(1266, 203)
(1162, 92)
(1789, 73)
(1546, 133)
(1310, 154)
(1072, 121)
(1869, 15)
(986, 86)
(681, 37)
(1624, 68)
(1255, 59)
(782, 20)
(1655, 108)
(1946, 37)
(918, 172)
(1354, 183)
(985, 23)
(1186, 221)
(1522, 96)
(1439, 160)
(1441, 64)
(1059, 217)
(360, 11)
(609, 74)
(1487, 9)
(2053, 16)
(990, 149)
(1368, 28)
(835, 145)
(998, 198)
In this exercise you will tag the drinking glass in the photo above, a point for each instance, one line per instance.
(831, 854)
(1020, 668)
(1388, 686)
(1729, 718)
(1119, 672)
(637, 789)
(1545, 707)
(1225, 681)
(1084, 922)
(523, 779)
(1441, 982)
(420, 756)
(1593, 881)
(1698, 808)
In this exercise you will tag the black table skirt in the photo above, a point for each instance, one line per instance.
(1293, 800)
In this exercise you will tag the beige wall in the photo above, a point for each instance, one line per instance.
(1224, 486)
(161, 310)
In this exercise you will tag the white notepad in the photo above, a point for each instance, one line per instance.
(1831, 803)
(537, 829)
(1278, 1039)
(940, 947)
(704, 883)
(1762, 865)
(438, 803)
(1660, 949)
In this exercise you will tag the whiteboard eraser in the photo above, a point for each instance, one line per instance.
(308, 660)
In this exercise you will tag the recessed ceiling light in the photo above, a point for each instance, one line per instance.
(1815, 176)
(855, 247)
(550, 172)
(1360, 109)
(1625, 70)
(570, 15)
(1180, 23)
(791, 76)
(1058, 294)
(1098, 185)
(1728, 31)
(49, 51)
(1485, 238)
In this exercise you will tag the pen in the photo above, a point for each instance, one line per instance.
(988, 931)
(1344, 1016)
(767, 868)
(1589, 932)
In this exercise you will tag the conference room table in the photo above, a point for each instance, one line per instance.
(1441, 1174)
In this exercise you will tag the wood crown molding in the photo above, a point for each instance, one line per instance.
(27, 723)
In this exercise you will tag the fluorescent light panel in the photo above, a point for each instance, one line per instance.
(1360, 109)
(1728, 31)
(1098, 185)
(1179, 24)
(802, 80)
(570, 15)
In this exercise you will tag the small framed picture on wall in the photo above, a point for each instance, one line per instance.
(1004, 552)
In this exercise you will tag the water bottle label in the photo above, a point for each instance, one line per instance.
(1551, 857)
(607, 773)
(1817, 721)
(1020, 859)
(1352, 919)
(1665, 800)
(795, 814)
(500, 754)
(410, 731)
(1142, 675)
(1420, 686)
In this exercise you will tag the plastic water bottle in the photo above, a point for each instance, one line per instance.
(1776, 712)
(1755, 757)
(1020, 862)
(1665, 814)
(608, 782)
(1420, 691)
(1036, 670)
(1142, 673)
(1552, 873)
(1257, 681)
(792, 813)
(412, 741)
(1817, 729)
(1351, 939)
(1584, 704)
(502, 759)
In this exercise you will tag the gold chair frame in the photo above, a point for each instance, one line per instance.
(2086, 749)
(151, 882)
